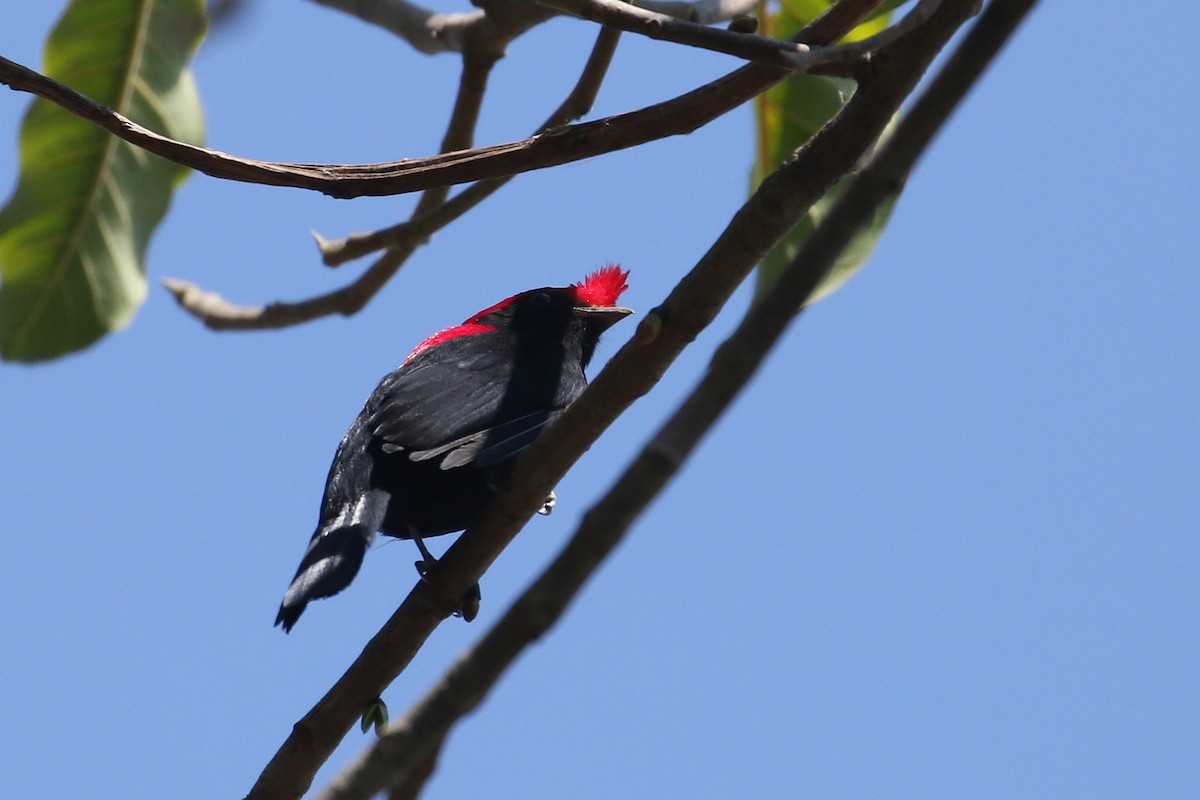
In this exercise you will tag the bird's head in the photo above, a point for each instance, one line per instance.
(594, 299)
(581, 312)
(577, 313)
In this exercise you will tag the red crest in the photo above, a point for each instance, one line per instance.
(602, 287)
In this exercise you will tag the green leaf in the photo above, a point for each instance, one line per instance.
(787, 116)
(375, 715)
(794, 14)
(74, 234)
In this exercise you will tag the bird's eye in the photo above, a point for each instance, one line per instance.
(541, 298)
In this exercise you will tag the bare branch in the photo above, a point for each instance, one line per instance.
(679, 116)
(427, 31)
(399, 757)
(749, 46)
(705, 12)
(667, 27)
(460, 130)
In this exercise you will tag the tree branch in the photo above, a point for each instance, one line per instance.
(691, 306)
(397, 758)
(681, 115)
(489, 29)
(427, 31)
(792, 56)
(706, 12)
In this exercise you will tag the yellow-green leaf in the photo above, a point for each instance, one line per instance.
(787, 116)
(375, 715)
(73, 236)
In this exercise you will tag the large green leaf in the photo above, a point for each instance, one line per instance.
(74, 234)
(787, 116)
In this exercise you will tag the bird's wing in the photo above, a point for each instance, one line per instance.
(432, 401)
(455, 403)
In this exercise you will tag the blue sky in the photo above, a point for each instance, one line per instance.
(945, 546)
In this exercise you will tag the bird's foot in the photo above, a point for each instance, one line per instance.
(548, 505)
(468, 604)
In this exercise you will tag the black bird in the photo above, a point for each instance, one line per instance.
(423, 454)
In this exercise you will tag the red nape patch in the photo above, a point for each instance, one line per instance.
(602, 287)
(466, 329)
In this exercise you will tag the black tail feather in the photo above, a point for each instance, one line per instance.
(334, 555)
(330, 563)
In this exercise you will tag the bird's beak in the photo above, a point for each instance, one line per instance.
(603, 315)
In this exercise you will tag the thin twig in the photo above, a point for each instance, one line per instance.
(460, 130)
(665, 332)
(397, 758)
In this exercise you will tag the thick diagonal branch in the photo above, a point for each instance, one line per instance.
(690, 307)
(396, 758)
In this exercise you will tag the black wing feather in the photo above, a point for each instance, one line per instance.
(493, 420)
(487, 447)
(412, 413)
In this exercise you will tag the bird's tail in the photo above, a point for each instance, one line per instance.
(333, 557)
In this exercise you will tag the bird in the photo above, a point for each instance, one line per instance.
(423, 456)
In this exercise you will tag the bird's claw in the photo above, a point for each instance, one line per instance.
(468, 605)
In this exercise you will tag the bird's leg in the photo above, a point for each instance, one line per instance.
(427, 560)
(468, 605)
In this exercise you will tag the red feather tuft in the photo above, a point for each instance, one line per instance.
(602, 287)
